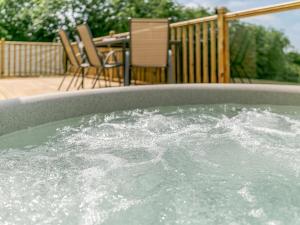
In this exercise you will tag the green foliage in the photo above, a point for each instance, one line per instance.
(294, 57)
(270, 53)
(39, 20)
(262, 53)
(294, 66)
(52, 15)
(15, 19)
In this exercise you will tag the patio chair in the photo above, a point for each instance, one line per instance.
(149, 46)
(83, 58)
(95, 58)
(76, 65)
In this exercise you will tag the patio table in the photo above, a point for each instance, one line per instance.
(123, 43)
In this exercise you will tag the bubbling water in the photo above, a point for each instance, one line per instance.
(203, 164)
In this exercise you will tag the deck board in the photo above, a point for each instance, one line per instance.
(19, 87)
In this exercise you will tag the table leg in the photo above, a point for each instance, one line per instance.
(127, 77)
(171, 79)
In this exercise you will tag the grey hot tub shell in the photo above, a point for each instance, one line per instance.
(20, 113)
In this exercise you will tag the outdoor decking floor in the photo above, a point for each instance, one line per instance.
(19, 87)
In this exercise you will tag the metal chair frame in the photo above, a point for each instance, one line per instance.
(95, 58)
(75, 64)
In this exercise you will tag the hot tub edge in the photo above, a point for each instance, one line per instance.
(21, 113)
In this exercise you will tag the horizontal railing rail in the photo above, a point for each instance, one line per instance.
(194, 21)
(119, 35)
(283, 7)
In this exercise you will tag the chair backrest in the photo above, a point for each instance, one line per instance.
(68, 48)
(89, 46)
(80, 46)
(149, 42)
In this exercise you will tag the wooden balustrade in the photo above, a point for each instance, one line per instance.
(30, 59)
(200, 50)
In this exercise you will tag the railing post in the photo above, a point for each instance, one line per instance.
(227, 52)
(223, 47)
(2, 57)
(174, 52)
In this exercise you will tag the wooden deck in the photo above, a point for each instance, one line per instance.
(18, 87)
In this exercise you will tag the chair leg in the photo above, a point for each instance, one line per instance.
(98, 74)
(95, 78)
(119, 75)
(76, 81)
(62, 81)
(75, 74)
(82, 75)
(79, 77)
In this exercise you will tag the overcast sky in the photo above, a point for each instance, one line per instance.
(288, 22)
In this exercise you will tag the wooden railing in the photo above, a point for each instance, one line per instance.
(192, 64)
(203, 50)
(30, 59)
(202, 57)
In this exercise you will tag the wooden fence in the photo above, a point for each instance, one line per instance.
(30, 59)
(202, 57)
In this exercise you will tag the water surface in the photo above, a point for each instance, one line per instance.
(205, 164)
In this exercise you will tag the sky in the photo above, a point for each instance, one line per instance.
(288, 22)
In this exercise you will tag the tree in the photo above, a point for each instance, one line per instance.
(39, 20)
(49, 16)
(15, 19)
(261, 53)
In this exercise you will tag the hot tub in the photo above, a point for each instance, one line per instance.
(175, 154)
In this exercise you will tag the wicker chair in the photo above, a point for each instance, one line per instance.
(96, 59)
(76, 65)
(149, 46)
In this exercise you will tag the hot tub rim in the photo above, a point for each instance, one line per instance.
(24, 112)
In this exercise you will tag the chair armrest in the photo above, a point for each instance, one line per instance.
(109, 55)
(82, 57)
